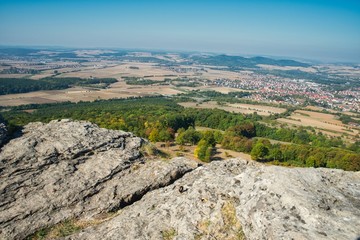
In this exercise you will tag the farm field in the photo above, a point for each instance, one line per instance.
(326, 123)
(261, 110)
(224, 90)
(120, 70)
(237, 108)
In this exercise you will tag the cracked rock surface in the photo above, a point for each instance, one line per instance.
(223, 199)
(67, 169)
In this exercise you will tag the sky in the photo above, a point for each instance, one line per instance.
(310, 29)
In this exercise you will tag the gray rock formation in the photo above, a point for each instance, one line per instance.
(67, 170)
(224, 198)
(64, 170)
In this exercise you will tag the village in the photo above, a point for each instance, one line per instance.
(295, 92)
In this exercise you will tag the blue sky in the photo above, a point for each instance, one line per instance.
(324, 30)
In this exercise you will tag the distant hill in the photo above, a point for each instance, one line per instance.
(17, 51)
(281, 62)
(242, 62)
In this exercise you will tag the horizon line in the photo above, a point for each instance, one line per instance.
(247, 55)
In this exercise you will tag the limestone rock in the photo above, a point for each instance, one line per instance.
(235, 198)
(66, 169)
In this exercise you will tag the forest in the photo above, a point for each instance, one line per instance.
(23, 85)
(161, 119)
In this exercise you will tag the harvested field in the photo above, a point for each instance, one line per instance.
(14, 75)
(322, 117)
(314, 108)
(261, 110)
(237, 108)
(352, 114)
(224, 90)
(120, 70)
(327, 123)
(208, 105)
(292, 122)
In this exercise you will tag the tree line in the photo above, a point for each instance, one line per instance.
(23, 85)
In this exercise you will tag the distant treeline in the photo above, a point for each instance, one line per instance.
(140, 81)
(178, 82)
(14, 70)
(237, 62)
(159, 118)
(211, 95)
(22, 85)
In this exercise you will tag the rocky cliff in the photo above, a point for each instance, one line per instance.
(99, 181)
